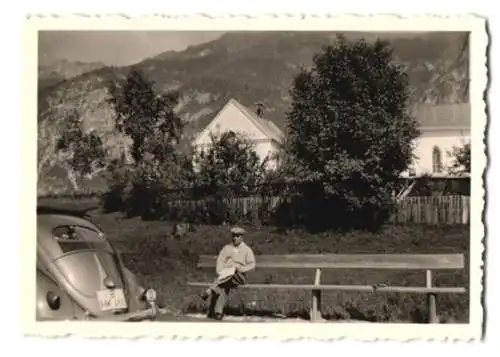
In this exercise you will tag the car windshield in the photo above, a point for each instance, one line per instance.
(73, 237)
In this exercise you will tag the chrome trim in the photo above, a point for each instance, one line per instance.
(148, 314)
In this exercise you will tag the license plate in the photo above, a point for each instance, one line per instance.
(111, 299)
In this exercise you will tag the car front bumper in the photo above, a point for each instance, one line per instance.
(142, 315)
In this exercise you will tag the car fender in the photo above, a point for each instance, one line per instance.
(136, 291)
(52, 303)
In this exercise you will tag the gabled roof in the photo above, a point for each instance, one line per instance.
(266, 126)
(440, 116)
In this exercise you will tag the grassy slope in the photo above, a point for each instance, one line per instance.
(167, 264)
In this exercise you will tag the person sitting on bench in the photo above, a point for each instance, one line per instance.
(233, 262)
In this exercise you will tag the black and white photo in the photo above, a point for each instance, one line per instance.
(317, 176)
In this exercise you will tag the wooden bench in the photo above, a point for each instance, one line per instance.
(424, 262)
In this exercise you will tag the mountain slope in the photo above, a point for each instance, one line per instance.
(250, 67)
(58, 71)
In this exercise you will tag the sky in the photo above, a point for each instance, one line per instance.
(128, 47)
(115, 47)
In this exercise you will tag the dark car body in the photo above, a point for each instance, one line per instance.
(81, 276)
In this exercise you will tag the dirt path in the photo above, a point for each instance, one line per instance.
(203, 318)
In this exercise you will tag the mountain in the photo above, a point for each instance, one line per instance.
(50, 74)
(250, 67)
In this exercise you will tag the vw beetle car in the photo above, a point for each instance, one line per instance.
(80, 275)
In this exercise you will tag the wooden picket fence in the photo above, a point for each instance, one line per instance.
(433, 210)
(436, 210)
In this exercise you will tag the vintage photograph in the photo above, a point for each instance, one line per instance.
(210, 176)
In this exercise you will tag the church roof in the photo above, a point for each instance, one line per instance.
(440, 116)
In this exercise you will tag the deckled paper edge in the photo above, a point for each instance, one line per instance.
(286, 331)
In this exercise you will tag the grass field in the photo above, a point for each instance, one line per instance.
(167, 263)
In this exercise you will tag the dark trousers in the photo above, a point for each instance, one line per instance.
(220, 293)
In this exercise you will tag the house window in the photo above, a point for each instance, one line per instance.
(437, 164)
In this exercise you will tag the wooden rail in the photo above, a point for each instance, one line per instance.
(352, 261)
(425, 262)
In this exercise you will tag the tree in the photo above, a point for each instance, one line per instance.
(461, 160)
(146, 116)
(350, 133)
(149, 119)
(229, 167)
(82, 153)
(229, 164)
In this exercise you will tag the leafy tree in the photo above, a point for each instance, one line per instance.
(229, 164)
(146, 116)
(350, 133)
(149, 119)
(461, 160)
(82, 153)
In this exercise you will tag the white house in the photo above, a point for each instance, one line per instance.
(442, 128)
(266, 137)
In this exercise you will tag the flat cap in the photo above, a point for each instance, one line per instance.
(238, 230)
